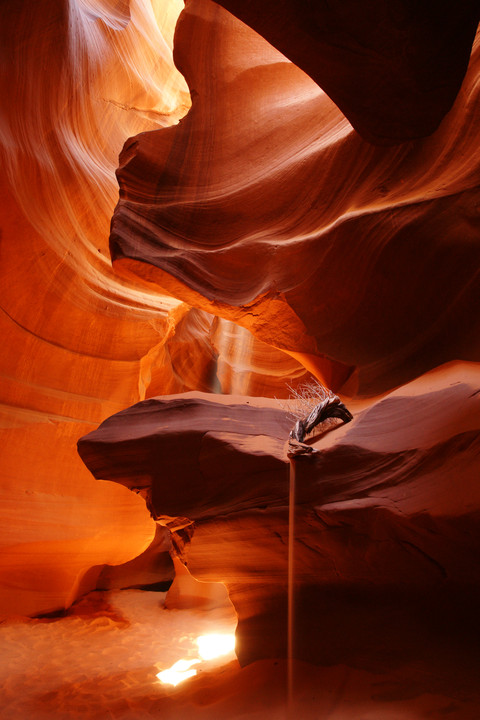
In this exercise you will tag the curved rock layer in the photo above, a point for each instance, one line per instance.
(387, 514)
(264, 206)
(79, 77)
(80, 344)
(394, 69)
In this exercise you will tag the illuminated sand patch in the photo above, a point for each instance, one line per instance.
(102, 663)
(215, 645)
(218, 647)
(102, 658)
(180, 671)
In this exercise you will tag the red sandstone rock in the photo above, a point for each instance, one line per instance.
(77, 79)
(387, 515)
(79, 343)
(273, 214)
(394, 69)
(264, 207)
(195, 455)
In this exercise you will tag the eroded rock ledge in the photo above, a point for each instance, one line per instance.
(387, 528)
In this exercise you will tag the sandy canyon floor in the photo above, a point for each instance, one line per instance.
(102, 659)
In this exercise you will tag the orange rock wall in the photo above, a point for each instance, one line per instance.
(80, 78)
(265, 207)
(78, 343)
(262, 208)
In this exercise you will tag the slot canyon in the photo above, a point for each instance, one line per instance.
(217, 218)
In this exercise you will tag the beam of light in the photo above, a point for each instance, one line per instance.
(214, 645)
(181, 670)
(234, 345)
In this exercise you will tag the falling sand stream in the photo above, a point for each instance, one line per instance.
(330, 407)
(291, 585)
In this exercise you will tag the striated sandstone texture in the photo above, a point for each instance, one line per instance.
(77, 79)
(265, 207)
(78, 343)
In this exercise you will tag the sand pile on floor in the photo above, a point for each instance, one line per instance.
(105, 653)
(101, 662)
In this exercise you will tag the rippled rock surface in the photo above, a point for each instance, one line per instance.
(265, 207)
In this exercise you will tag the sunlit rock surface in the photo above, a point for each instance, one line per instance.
(262, 210)
(207, 353)
(77, 79)
(78, 343)
(387, 515)
(265, 207)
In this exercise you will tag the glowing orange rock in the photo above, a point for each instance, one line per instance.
(80, 77)
(264, 207)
